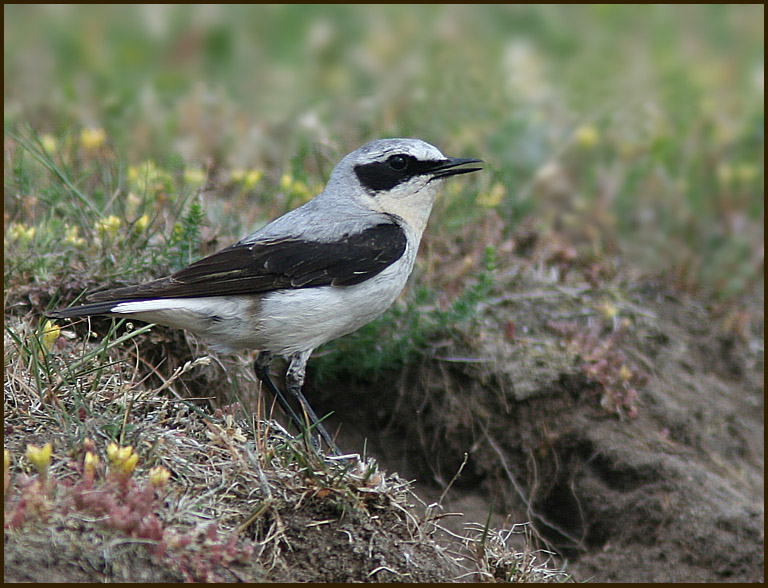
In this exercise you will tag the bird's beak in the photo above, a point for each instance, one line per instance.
(450, 167)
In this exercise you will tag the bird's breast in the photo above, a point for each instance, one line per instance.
(289, 321)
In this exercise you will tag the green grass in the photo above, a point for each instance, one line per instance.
(646, 122)
(159, 135)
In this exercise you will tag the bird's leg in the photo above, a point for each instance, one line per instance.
(261, 367)
(295, 379)
(294, 376)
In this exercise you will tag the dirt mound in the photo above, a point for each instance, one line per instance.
(632, 439)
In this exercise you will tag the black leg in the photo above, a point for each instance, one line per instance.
(261, 367)
(295, 380)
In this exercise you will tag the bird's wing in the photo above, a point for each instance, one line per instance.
(275, 264)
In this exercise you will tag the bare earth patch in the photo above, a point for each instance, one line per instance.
(674, 493)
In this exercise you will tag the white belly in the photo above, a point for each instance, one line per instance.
(297, 320)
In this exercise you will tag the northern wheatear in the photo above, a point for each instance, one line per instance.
(316, 273)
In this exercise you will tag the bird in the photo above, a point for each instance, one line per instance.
(318, 272)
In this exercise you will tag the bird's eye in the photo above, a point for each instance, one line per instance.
(397, 162)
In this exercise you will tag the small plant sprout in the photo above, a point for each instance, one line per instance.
(91, 461)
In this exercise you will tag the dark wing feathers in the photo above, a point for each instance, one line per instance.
(84, 310)
(277, 264)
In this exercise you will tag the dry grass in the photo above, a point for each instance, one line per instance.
(207, 497)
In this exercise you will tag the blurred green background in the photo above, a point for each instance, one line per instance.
(642, 125)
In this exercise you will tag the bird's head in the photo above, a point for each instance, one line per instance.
(398, 176)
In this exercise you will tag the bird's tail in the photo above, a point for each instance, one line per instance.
(84, 310)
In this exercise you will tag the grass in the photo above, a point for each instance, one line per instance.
(196, 496)
(657, 151)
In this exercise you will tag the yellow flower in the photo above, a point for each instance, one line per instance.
(130, 464)
(609, 310)
(286, 182)
(252, 178)
(72, 236)
(493, 197)
(627, 149)
(91, 461)
(625, 374)
(18, 232)
(92, 138)
(51, 332)
(159, 476)
(132, 203)
(148, 178)
(724, 174)
(48, 142)
(301, 190)
(140, 175)
(108, 227)
(122, 459)
(587, 136)
(6, 460)
(40, 457)
(194, 176)
(141, 224)
(746, 173)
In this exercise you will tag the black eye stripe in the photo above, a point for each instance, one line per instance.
(384, 175)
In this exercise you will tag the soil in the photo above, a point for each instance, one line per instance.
(531, 409)
(674, 494)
